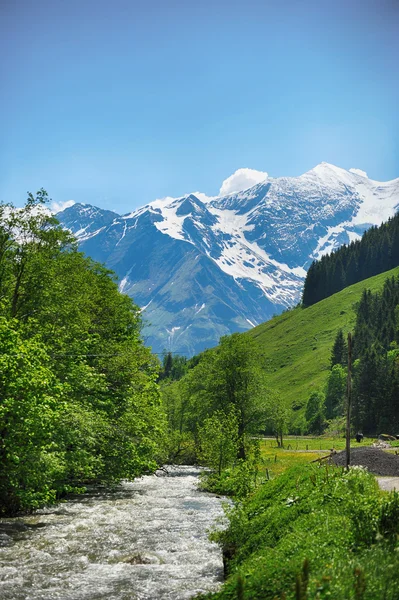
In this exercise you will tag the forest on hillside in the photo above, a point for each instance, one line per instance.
(375, 387)
(377, 251)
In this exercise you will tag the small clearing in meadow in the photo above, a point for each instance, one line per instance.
(375, 460)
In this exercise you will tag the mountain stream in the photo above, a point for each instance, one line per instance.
(146, 541)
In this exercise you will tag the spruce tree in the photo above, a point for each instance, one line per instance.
(339, 354)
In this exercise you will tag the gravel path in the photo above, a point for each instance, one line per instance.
(388, 484)
(375, 460)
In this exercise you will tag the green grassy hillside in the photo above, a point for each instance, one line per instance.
(296, 346)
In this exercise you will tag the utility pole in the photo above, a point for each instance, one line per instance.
(348, 403)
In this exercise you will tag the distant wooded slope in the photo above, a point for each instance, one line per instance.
(295, 347)
(376, 252)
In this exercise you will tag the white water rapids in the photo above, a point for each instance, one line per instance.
(146, 541)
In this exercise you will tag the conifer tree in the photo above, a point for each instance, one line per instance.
(339, 354)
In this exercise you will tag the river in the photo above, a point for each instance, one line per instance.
(146, 541)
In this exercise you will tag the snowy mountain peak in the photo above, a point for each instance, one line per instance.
(190, 204)
(329, 174)
(359, 172)
(200, 270)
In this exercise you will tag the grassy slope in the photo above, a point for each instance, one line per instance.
(340, 522)
(296, 346)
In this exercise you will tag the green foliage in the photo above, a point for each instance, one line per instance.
(376, 365)
(376, 252)
(240, 478)
(278, 416)
(218, 440)
(174, 367)
(220, 402)
(214, 411)
(236, 382)
(313, 532)
(79, 399)
(335, 392)
(181, 442)
(29, 239)
(339, 354)
(29, 413)
(315, 413)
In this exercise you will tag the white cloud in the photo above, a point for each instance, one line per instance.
(160, 202)
(241, 180)
(57, 207)
(358, 172)
(203, 197)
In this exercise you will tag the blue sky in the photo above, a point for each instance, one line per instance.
(119, 102)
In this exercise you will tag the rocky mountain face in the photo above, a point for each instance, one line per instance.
(200, 269)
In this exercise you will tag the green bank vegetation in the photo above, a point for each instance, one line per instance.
(313, 532)
(79, 398)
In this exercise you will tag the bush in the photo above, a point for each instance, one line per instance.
(238, 480)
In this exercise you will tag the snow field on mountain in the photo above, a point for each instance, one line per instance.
(243, 256)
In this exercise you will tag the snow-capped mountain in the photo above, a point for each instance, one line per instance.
(202, 268)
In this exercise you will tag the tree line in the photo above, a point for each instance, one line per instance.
(376, 368)
(375, 387)
(79, 402)
(377, 251)
(216, 410)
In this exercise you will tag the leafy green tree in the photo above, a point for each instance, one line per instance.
(28, 236)
(29, 412)
(225, 379)
(219, 440)
(277, 416)
(230, 378)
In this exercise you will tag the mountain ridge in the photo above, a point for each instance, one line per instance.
(243, 256)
